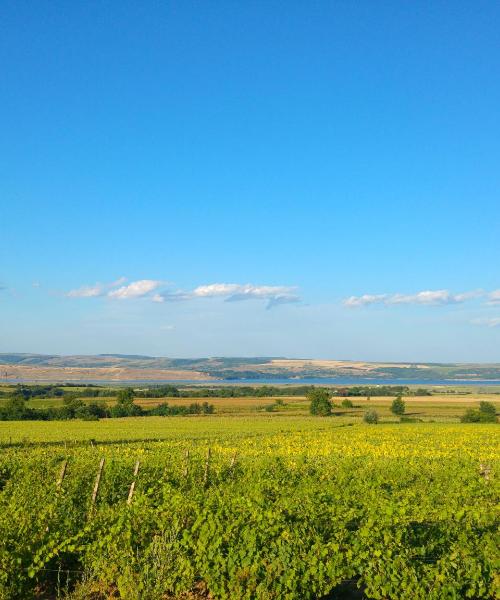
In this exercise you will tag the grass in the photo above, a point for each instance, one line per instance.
(161, 428)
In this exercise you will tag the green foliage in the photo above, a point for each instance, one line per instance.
(320, 403)
(14, 409)
(485, 414)
(346, 403)
(277, 405)
(266, 529)
(422, 392)
(125, 397)
(471, 416)
(238, 391)
(371, 417)
(164, 410)
(375, 390)
(398, 406)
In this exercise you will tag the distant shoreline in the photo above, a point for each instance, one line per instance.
(139, 370)
(329, 381)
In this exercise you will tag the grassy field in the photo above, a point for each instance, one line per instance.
(205, 427)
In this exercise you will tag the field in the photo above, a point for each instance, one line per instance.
(250, 506)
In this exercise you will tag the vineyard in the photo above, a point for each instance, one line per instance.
(289, 509)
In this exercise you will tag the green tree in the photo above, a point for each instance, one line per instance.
(487, 412)
(15, 408)
(320, 403)
(71, 406)
(125, 397)
(398, 406)
(125, 406)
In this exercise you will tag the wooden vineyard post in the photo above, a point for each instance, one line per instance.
(96, 484)
(186, 464)
(62, 474)
(132, 485)
(233, 460)
(207, 469)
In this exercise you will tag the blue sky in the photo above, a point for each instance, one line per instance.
(261, 178)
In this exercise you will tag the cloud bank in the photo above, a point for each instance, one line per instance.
(136, 289)
(234, 292)
(96, 290)
(149, 288)
(425, 297)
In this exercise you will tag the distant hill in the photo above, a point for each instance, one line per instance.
(121, 367)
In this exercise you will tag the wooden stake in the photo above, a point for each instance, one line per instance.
(132, 485)
(186, 463)
(62, 474)
(97, 481)
(207, 468)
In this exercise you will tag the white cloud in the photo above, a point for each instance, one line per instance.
(425, 297)
(365, 300)
(215, 290)
(464, 296)
(87, 291)
(148, 288)
(96, 290)
(494, 297)
(234, 292)
(487, 322)
(136, 289)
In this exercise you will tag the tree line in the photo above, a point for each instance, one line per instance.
(29, 392)
(15, 409)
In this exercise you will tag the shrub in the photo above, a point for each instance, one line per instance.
(164, 410)
(371, 417)
(321, 404)
(86, 416)
(471, 416)
(398, 406)
(127, 409)
(347, 403)
(487, 412)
